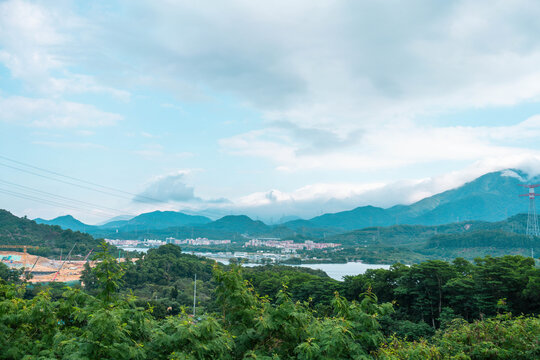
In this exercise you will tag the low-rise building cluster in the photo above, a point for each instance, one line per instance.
(197, 241)
(289, 245)
(169, 240)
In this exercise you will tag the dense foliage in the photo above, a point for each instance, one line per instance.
(164, 280)
(488, 238)
(110, 323)
(81, 326)
(52, 240)
(425, 295)
(501, 337)
(431, 294)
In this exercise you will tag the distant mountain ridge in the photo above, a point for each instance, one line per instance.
(67, 222)
(404, 243)
(491, 197)
(146, 221)
(158, 220)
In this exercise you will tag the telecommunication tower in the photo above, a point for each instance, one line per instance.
(532, 219)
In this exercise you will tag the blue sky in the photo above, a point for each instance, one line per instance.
(269, 109)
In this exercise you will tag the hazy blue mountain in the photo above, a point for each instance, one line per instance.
(288, 218)
(157, 220)
(117, 224)
(148, 221)
(230, 227)
(400, 235)
(67, 222)
(358, 218)
(491, 197)
(116, 219)
(238, 224)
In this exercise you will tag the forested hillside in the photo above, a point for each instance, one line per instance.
(52, 240)
(383, 245)
(412, 243)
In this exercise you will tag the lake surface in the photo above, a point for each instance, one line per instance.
(335, 271)
(339, 271)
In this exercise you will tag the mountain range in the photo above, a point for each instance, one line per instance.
(491, 197)
(148, 221)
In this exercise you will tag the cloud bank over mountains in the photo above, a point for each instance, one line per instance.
(315, 199)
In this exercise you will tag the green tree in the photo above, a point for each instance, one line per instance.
(422, 288)
(108, 273)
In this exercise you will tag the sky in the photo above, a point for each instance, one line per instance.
(270, 109)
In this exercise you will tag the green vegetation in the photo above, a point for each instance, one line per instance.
(501, 337)
(10, 275)
(416, 243)
(278, 312)
(480, 242)
(398, 243)
(375, 254)
(52, 240)
(436, 291)
(432, 310)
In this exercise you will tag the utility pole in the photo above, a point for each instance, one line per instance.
(532, 219)
(194, 294)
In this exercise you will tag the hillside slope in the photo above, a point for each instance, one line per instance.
(491, 197)
(52, 240)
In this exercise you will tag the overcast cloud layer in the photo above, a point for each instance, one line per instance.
(279, 107)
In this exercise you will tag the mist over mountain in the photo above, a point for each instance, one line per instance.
(115, 219)
(491, 197)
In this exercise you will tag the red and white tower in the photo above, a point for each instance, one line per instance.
(532, 219)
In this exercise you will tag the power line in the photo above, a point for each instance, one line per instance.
(37, 199)
(62, 197)
(63, 181)
(74, 178)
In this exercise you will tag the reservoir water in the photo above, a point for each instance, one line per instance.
(339, 271)
(335, 271)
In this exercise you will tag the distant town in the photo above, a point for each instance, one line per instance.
(284, 245)
(257, 250)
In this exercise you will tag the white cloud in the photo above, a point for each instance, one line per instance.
(48, 113)
(167, 188)
(40, 43)
(392, 145)
(26, 31)
(327, 65)
(333, 66)
(345, 65)
(310, 200)
(349, 86)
